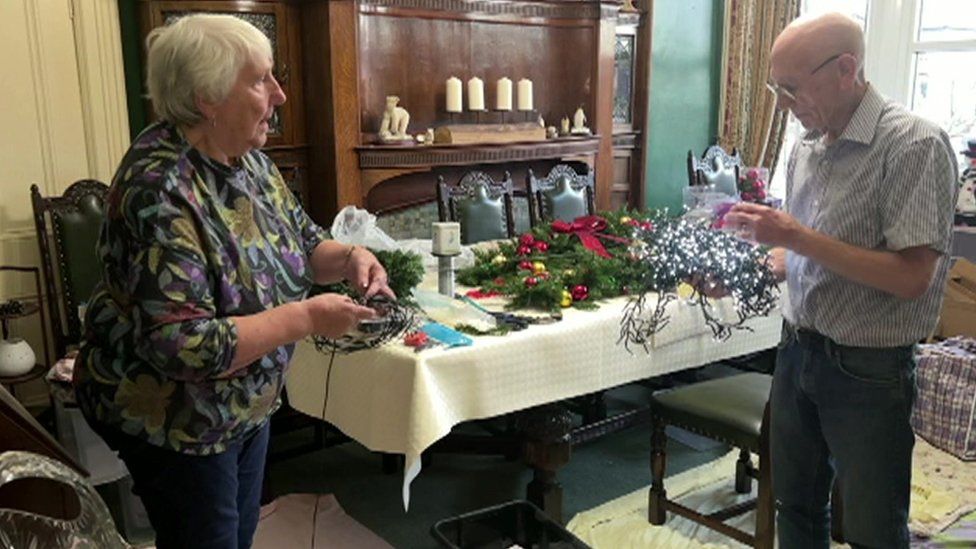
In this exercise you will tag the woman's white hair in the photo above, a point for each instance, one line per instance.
(198, 54)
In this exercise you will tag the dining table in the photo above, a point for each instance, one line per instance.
(396, 400)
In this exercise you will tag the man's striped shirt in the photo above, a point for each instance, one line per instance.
(888, 183)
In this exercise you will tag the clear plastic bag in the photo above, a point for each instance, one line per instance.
(92, 528)
(354, 225)
(452, 312)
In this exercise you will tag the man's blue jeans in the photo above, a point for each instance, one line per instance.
(844, 409)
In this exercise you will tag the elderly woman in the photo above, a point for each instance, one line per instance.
(208, 259)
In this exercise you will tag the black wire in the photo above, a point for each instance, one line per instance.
(325, 405)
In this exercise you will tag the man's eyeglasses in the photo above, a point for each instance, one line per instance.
(781, 91)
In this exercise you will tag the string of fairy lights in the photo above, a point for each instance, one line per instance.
(682, 250)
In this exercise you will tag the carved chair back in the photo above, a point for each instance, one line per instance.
(480, 204)
(67, 232)
(563, 195)
(716, 167)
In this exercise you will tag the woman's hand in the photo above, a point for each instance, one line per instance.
(333, 315)
(365, 273)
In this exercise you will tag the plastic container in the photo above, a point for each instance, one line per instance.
(502, 526)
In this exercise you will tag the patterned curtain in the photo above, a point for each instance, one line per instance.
(748, 117)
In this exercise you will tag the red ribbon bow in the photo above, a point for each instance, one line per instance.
(588, 228)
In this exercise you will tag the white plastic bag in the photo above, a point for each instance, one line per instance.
(355, 225)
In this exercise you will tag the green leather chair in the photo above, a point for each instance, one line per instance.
(67, 232)
(562, 195)
(481, 205)
(734, 410)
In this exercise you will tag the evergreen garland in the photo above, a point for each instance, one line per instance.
(404, 272)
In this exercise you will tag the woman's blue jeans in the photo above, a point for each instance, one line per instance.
(197, 502)
(844, 410)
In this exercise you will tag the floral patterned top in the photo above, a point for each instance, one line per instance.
(187, 243)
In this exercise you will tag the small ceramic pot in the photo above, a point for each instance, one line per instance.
(16, 357)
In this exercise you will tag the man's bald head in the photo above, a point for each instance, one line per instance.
(817, 70)
(807, 41)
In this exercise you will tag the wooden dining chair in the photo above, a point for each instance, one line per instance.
(734, 410)
(480, 204)
(563, 195)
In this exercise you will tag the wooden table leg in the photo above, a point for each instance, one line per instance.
(657, 495)
(547, 448)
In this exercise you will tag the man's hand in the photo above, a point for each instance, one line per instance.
(777, 263)
(708, 287)
(763, 224)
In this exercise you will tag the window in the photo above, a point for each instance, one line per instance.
(944, 58)
(857, 10)
(921, 53)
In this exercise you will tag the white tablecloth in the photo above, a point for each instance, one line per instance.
(395, 400)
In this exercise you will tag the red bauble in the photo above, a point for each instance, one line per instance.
(531, 281)
(499, 281)
(526, 239)
(580, 292)
(524, 250)
(525, 265)
(541, 245)
(544, 275)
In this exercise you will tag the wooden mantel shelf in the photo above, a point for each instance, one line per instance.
(383, 157)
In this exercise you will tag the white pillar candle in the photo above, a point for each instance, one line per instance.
(525, 95)
(476, 94)
(446, 238)
(503, 91)
(453, 94)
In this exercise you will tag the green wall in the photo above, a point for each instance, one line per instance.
(686, 67)
(132, 65)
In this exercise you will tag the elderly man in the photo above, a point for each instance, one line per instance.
(862, 246)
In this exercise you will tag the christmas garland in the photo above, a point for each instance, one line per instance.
(404, 271)
(549, 267)
(626, 253)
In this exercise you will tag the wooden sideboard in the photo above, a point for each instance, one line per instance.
(337, 60)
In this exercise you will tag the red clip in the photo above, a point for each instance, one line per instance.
(415, 339)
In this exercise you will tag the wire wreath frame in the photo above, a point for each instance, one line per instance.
(394, 319)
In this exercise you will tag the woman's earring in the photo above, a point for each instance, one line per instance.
(213, 122)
